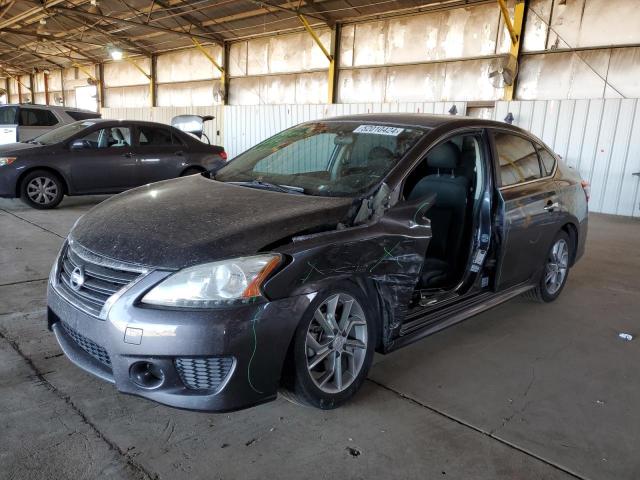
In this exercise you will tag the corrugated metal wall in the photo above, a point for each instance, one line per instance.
(600, 138)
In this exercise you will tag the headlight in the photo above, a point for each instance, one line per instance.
(6, 161)
(216, 283)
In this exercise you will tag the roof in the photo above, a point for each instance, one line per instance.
(420, 120)
(49, 107)
(65, 32)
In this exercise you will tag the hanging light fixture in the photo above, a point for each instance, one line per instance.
(116, 53)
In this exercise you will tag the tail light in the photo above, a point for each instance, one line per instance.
(587, 189)
(223, 155)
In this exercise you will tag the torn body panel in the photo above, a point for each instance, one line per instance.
(384, 257)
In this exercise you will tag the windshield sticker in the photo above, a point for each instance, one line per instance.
(379, 130)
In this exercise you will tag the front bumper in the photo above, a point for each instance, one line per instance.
(254, 337)
(8, 180)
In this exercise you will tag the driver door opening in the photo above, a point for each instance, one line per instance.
(456, 171)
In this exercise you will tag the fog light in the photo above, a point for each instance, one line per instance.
(146, 375)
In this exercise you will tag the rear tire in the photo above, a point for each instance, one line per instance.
(556, 270)
(41, 189)
(332, 349)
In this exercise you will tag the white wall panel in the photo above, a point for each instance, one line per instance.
(188, 65)
(123, 73)
(600, 138)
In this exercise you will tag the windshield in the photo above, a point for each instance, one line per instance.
(323, 158)
(63, 133)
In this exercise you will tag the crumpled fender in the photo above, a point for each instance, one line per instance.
(384, 257)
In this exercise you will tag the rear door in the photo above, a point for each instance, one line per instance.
(106, 162)
(33, 122)
(528, 217)
(160, 154)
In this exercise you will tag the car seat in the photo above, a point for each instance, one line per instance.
(447, 215)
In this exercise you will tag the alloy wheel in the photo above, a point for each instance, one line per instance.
(42, 190)
(336, 343)
(556, 268)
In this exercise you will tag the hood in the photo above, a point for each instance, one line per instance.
(18, 148)
(186, 221)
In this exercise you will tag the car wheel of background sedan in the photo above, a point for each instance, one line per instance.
(333, 349)
(556, 270)
(41, 189)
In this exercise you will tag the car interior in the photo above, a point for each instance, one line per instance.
(452, 170)
(115, 137)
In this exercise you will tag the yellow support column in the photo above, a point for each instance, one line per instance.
(515, 32)
(149, 76)
(332, 61)
(223, 73)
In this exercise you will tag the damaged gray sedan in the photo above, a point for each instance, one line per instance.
(286, 269)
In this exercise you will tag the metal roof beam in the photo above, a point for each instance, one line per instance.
(83, 13)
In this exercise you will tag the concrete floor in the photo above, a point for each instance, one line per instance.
(524, 391)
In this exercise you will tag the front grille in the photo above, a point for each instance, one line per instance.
(207, 373)
(100, 279)
(89, 346)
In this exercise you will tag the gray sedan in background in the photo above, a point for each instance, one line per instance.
(100, 156)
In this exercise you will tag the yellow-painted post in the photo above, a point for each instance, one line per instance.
(148, 75)
(222, 70)
(331, 57)
(515, 29)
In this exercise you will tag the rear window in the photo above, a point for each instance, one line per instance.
(82, 115)
(548, 161)
(154, 136)
(32, 117)
(518, 159)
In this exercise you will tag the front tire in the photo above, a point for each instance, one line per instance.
(556, 270)
(333, 348)
(41, 189)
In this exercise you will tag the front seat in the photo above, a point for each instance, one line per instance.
(447, 215)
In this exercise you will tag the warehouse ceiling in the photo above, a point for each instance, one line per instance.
(36, 35)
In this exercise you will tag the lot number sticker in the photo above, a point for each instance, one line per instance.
(379, 130)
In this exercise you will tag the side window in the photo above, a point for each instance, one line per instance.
(518, 160)
(157, 137)
(31, 117)
(548, 161)
(115, 137)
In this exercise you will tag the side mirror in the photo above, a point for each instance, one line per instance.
(78, 145)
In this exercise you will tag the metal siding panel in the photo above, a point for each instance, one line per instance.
(627, 201)
(615, 169)
(577, 133)
(602, 151)
(563, 127)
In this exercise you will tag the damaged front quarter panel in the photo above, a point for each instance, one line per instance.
(383, 256)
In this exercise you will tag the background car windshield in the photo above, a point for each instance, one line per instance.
(324, 158)
(63, 133)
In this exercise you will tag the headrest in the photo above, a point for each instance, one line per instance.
(380, 155)
(117, 134)
(445, 155)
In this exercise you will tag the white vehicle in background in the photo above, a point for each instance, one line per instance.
(22, 122)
